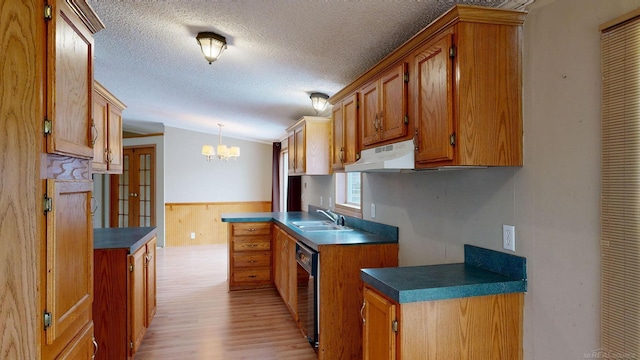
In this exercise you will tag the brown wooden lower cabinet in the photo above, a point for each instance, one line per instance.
(250, 255)
(125, 299)
(479, 327)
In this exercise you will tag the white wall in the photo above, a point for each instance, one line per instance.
(190, 178)
(553, 200)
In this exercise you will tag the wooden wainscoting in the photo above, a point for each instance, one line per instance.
(181, 219)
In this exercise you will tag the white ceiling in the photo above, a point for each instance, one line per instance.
(279, 51)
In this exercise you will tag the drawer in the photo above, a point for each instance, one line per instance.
(250, 275)
(245, 229)
(251, 243)
(252, 260)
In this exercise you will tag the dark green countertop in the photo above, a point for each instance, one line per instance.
(365, 233)
(122, 238)
(484, 272)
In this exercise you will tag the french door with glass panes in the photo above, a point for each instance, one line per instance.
(133, 191)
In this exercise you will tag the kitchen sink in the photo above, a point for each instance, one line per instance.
(319, 225)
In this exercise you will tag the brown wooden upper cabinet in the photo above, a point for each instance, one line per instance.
(309, 146)
(455, 88)
(345, 149)
(106, 131)
(384, 115)
(466, 91)
(69, 82)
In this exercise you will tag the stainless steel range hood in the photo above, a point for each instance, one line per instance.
(386, 158)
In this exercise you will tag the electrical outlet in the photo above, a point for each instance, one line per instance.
(373, 210)
(509, 237)
(330, 204)
(320, 200)
(193, 236)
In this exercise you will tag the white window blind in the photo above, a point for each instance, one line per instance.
(620, 204)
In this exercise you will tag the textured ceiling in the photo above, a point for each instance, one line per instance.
(279, 51)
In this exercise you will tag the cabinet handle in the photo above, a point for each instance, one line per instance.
(133, 194)
(252, 261)
(252, 229)
(252, 276)
(95, 347)
(342, 154)
(364, 321)
(94, 206)
(94, 133)
(375, 122)
(415, 141)
(380, 121)
(109, 156)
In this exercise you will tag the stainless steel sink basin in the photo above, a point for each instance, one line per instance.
(319, 225)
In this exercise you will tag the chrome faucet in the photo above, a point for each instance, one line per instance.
(336, 218)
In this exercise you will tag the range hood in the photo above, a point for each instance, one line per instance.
(386, 158)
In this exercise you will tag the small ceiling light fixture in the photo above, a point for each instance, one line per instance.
(319, 101)
(212, 45)
(224, 153)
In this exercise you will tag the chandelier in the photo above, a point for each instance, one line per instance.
(224, 153)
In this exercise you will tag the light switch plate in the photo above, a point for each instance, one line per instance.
(373, 210)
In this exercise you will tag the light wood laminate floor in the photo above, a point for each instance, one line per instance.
(197, 318)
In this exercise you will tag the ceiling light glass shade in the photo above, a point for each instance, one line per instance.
(319, 101)
(223, 151)
(212, 45)
(234, 151)
(207, 150)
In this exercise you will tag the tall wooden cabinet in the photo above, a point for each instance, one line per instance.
(106, 131)
(46, 282)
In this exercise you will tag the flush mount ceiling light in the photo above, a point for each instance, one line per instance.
(224, 153)
(212, 45)
(319, 101)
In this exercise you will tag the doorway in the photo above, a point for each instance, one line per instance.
(132, 200)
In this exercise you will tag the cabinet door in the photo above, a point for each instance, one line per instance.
(69, 83)
(369, 116)
(99, 133)
(338, 151)
(292, 277)
(114, 151)
(350, 116)
(379, 340)
(301, 157)
(292, 153)
(278, 255)
(82, 347)
(433, 101)
(151, 280)
(137, 299)
(393, 99)
(69, 259)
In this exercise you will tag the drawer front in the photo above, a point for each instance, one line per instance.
(252, 243)
(249, 229)
(251, 275)
(252, 260)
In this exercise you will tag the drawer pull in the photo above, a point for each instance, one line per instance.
(252, 245)
(252, 229)
(252, 276)
(252, 261)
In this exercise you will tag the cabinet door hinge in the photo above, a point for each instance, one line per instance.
(48, 204)
(47, 320)
(48, 12)
(452, 139)
(406, 77)
(394, 326)
(48, 127)
(452, 51)
(130, 267)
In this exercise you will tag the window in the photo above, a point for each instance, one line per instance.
(349, 193)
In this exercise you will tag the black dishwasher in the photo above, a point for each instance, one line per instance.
(308, 290)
